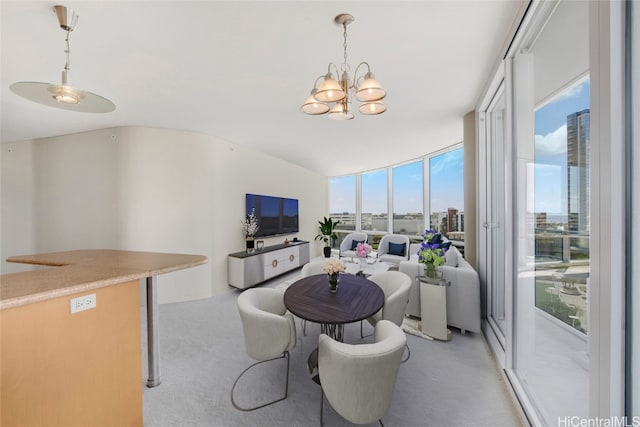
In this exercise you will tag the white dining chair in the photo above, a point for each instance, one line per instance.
(396, 286)
(358, 380)
(269, 332)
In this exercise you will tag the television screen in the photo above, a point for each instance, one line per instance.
(276, 215)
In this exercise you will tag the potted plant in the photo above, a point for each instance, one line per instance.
(326, 234)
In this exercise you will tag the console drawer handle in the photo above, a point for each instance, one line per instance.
(291, 257)
(274, 263)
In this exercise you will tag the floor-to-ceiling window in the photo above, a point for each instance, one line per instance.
(552, 213)
(374, 202)
(446, 195)
(375, 211)
(408, 198)
(392, 199)
(536, 213)
(342, 204)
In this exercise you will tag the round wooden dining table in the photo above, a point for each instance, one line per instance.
(309, 298)
(356, 299)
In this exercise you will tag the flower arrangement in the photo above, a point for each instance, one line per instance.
(363, 250)
(250, 224)
(432, 249)
(334, 266)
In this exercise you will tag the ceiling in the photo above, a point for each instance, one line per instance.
(240, 70)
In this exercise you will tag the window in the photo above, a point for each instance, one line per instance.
(551, 222)
(408, 197)
(342, 201)
(446, 194)
(561, 205)
(375, 211)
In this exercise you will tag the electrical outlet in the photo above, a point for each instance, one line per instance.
(83, 303)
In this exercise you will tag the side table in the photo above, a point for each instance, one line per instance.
(433, 307)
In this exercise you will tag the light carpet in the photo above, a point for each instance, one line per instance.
(455, 383)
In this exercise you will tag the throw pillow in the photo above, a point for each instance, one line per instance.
(354, 244)
(436, 238)
(397, 248)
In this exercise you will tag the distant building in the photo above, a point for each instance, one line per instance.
(438, 221)
(452, 219)
(541, 220)
(347, 220)
(578, 161)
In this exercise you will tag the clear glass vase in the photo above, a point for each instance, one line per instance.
(431, 271)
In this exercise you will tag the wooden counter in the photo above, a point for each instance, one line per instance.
(84, 368)
(84, 270)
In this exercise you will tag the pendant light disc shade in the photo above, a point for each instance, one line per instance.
(71, 99)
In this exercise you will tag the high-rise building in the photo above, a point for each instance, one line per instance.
(578, 161)
(452, 219)
(541, 220)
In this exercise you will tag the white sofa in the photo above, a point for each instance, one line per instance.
(463, 296)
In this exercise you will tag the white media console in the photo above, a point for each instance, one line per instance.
(246, 269)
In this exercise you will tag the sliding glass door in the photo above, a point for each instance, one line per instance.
(495, 153)
(553, 225)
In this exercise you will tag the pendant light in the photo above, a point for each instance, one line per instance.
(63, 95)
(334, 96)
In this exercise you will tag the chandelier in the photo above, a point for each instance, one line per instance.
(63, 95)
(334, 96)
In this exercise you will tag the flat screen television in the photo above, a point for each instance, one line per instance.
(276, 215)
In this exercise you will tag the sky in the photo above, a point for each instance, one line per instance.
(550, 173)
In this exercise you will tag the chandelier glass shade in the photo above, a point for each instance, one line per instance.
(63, 95)
(334, 97)
(313, 106)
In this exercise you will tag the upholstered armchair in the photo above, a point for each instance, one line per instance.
(312, 268)
(463, 296)
(348, 245)
(394, 248)
(396, 286)
(269, 332)
(358, 380)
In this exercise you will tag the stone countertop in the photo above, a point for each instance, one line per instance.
(78, 271)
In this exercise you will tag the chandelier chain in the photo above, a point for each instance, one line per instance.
(345, 65)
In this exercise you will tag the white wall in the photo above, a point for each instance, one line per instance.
(145, 189)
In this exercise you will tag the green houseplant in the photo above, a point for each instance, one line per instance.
(327, 227)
